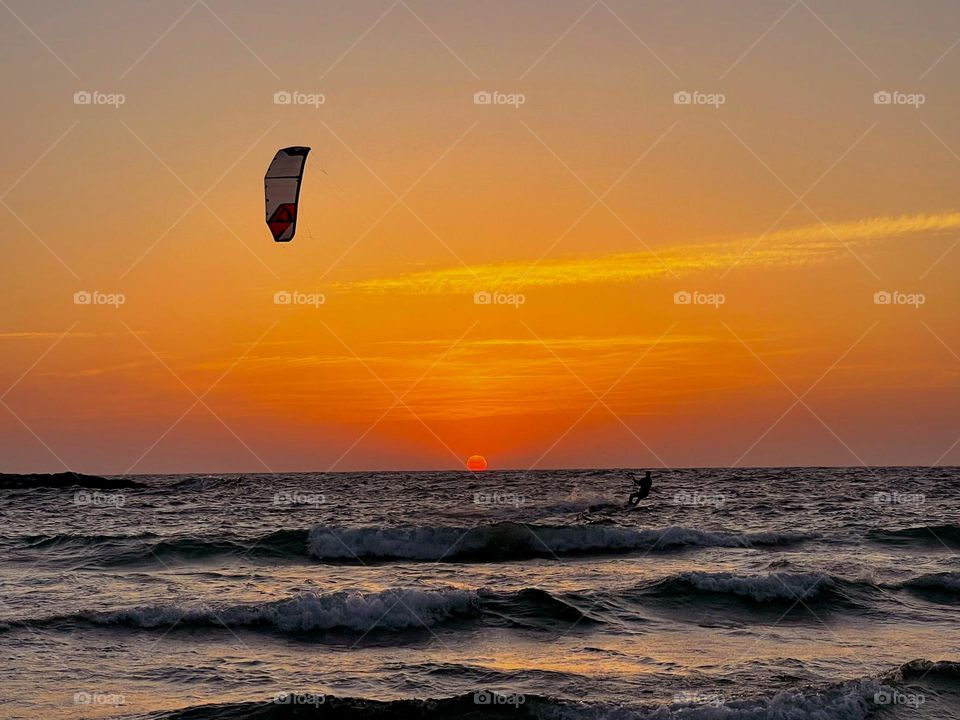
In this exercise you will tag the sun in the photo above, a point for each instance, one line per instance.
(476, 463)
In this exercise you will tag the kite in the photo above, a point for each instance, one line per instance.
(281, 187)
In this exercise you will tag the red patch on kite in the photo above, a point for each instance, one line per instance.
(281, 220)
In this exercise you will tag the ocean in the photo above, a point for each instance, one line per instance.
(787, 594)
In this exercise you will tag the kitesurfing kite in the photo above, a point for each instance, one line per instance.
(281, 187)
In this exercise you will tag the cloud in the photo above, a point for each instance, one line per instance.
(576, 343)
(785, 248)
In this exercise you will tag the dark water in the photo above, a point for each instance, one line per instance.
(769, 593)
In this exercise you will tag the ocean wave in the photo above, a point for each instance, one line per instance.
(533, 607)
(392, 610)
(935, 535)
(388, 610)
(851, 700)
(64, 480)
(779, 587)
(919, 669)
(500, 541)
(280, 543)
(507, 540)
(944, 583)
(788, 587)
(148, 547)
(578, 503)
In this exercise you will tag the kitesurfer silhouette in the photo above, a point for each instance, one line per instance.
(643, 489)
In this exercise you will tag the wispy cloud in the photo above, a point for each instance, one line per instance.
(785, 248)
(575, 343)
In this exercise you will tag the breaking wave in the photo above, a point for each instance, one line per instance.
(935, 535)
(774, 588)
(393, 610)
(508, 541)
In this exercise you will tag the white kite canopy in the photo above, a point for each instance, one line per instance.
(281, 186)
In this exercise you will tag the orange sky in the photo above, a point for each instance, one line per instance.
(597, 200)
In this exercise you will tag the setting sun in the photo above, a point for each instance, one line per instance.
(476, 463)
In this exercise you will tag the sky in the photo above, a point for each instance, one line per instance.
(683, 234)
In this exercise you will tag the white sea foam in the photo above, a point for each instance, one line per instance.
(775, 586)
(849, 701)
